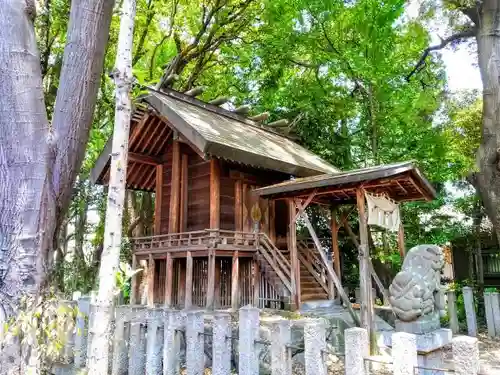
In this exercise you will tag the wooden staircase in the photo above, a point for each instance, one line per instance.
(313, 284)
(274, 265)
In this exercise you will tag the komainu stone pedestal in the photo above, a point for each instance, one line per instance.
(431, 340)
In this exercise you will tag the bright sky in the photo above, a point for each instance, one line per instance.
(461, 63)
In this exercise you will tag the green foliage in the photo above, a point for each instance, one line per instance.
(43, 324)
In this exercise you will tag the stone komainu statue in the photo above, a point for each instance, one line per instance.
(416, 290)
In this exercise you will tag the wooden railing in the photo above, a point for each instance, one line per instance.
(273, 256)
(313, 263)
(196, 239)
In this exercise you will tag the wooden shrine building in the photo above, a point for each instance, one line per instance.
(228, 191)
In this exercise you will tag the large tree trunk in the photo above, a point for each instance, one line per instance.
(79, 82)
(110, 261)
(23, 174)
(488, 42)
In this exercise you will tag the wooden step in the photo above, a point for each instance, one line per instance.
(313, 296)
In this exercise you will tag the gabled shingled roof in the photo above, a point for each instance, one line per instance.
(216, 132)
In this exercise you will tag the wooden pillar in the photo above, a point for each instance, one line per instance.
(184, 194)
(365, 282)
(294, 260)
(188, 299)
(235, 282)
(256, 283)
(247, 227)
(238, 205)
(175, 188)
(214, 194)
(335, 249)
(272, 221)
(151, 281)
(133, 282)
(401, 241)
(158, 198)
(217, 276)
(169, 271)
(211, 280)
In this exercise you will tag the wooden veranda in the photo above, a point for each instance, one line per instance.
(401, 182)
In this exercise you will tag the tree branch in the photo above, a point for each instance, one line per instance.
(468, 33)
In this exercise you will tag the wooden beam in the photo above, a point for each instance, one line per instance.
(238, 205)
(214, 194)
(188, 300)
(235, 282)
(365, 280)
(355, 241)
(327, 265)
(133, 282)
(294, 259)
(169, 271)
(219, 101)
(401, 241)
(151, 281)
(335, 248)
(260, 117)
(272, 221)
(175, 187)
(279, 123)
(256, 283)
(184, 194)
(306, 203)
(158, 198)
(195, 91)
(143, 159)
(211, 280)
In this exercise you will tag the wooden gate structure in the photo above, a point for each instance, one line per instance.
(226, 209)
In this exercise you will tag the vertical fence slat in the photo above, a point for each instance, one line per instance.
(248, 363)
(81, 332)
(221, 346)
(137, 348)
(404, 353)
(488, 311)
(495, 307)
(172, 342)
(465, 355)
(356, 350)
(452, 311)
(281, 337)
(314, 345)
(470, 311)
(120, 355)
(154, 346)
(195, 354)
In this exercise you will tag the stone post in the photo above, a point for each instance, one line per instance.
(356, 350)
(137, 348)
(465, 355)
(357, 295)
(470, 311)
(195, 341)
(81, 334)
(120, 354)
(90, 331)
(221, 344)
(314, 346)
(452, 311)
(495, 307)
(174, 323)
(281, 337)
(404, 353)
(488, 311)
(154, 346)
(249, 321)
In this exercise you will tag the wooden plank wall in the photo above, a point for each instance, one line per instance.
(200, 281)
(167, 180)
(198, 211)
(227, 200)
(159, 283)
(246, 290)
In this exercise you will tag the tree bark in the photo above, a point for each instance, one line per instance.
(110, 261)
(77, 93)
(488, 42)
(23, 174)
